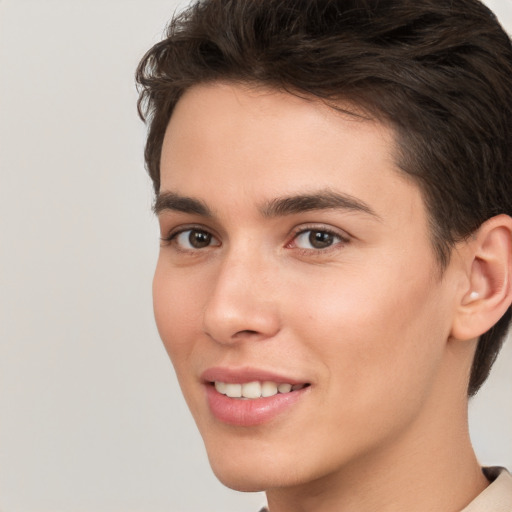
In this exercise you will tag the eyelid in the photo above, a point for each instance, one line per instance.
(178, 230)
(343, 236)
(304, 228)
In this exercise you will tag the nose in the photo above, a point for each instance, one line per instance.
(242, 303)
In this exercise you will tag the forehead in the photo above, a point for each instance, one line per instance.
(228, 141)
(230, 104)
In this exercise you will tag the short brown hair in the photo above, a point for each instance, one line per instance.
(439, 72)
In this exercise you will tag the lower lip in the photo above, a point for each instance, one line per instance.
(252, 412)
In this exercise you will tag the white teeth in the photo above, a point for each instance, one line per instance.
(220, 387)
(284, 388)
(251, 390)
(255, 389)
(268, 389)
(234, 390)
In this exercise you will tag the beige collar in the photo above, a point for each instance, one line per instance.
(497, 497)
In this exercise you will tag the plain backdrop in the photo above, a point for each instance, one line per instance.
(91, 418)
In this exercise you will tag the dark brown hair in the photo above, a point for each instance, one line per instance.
(439, 72)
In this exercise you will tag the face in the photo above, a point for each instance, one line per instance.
(296, 292)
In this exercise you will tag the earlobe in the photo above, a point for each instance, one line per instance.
(490, 274)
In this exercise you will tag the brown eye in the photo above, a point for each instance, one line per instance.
(195, 239)
(316, 239)
(320, 239)
(199, 239)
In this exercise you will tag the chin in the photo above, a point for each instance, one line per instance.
(242, 482)
(251, 479)
(242, 472)
(252, 468)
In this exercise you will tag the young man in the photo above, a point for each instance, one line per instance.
(333, 186)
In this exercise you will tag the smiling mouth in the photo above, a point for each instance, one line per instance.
(255, 389)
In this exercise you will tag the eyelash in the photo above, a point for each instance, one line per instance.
(171, 238)
(342, 239)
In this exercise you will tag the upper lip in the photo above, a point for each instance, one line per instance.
(246, 374)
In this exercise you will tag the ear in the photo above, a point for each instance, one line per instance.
(489, 293)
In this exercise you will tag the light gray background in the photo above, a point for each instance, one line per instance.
(91, 418)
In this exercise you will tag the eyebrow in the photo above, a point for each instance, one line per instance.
(179, 203)
(278, 207)
(322, 200)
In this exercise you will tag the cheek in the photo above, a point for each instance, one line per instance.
(177, 309)
(380, 339)
(176, 312)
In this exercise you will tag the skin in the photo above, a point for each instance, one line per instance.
(366, 321)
